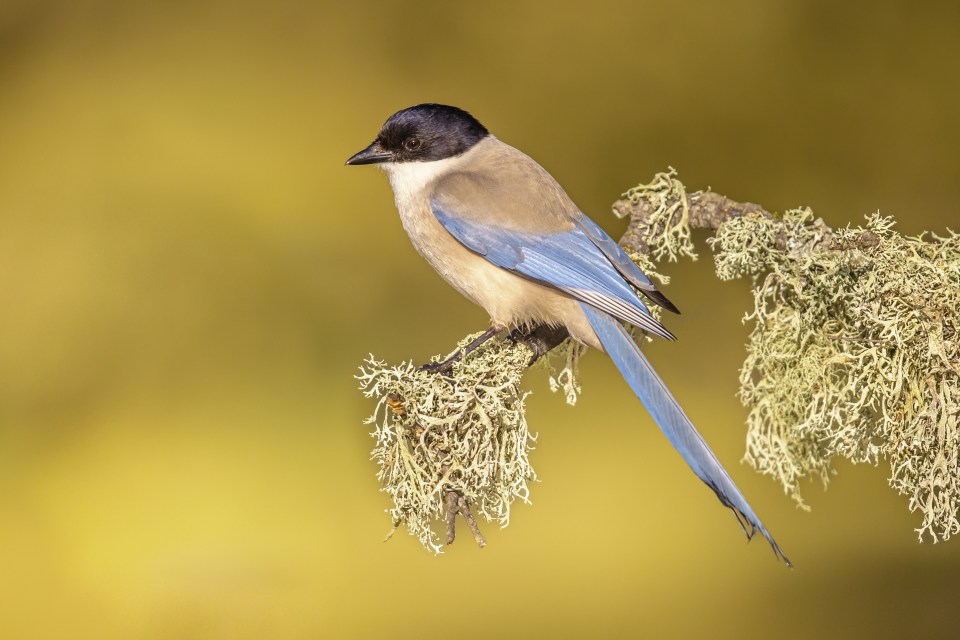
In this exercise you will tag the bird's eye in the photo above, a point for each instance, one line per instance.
(412, 144)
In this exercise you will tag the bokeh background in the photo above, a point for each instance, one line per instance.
(189, 277)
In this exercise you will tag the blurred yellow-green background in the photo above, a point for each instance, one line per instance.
(189, 277)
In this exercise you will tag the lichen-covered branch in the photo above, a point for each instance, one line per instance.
(661, 215)
(444, 443)
(854, 352)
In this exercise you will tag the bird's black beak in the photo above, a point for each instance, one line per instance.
(374, 154)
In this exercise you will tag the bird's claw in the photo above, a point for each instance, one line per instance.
(519, 334)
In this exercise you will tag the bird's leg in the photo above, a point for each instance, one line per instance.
(447, 365)
(541, 338)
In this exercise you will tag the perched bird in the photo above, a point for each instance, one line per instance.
(500, 229)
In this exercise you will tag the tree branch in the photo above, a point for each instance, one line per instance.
(706, 210)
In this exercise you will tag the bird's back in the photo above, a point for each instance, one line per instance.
(498, 185)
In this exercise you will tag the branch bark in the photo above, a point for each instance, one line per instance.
(706, 210)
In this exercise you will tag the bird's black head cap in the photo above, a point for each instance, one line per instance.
(423, 133)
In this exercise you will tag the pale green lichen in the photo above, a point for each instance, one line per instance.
(565, 377)
(854, 350)
(465, 433)
(667, 231)
(854, 353)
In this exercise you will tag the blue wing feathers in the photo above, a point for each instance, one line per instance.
(614, 253)
(619, 259)
(569, 261)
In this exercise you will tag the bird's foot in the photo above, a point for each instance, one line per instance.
(541, 338)
(519, 333)
(445, 366)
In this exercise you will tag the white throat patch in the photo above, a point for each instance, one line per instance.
(408, 179)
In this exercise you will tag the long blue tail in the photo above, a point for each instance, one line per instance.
(671, 419)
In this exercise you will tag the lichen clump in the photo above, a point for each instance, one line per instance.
(667, 232)
(466, 433)
(854, 353)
